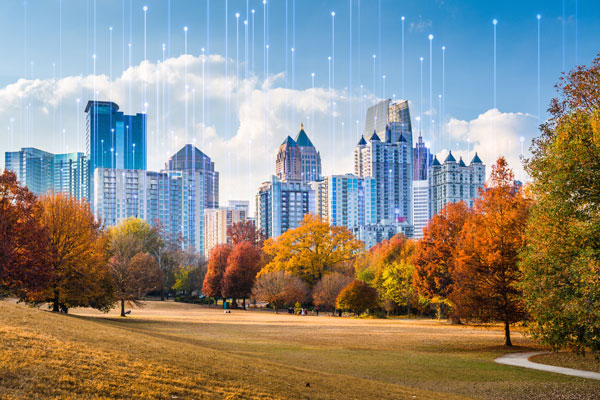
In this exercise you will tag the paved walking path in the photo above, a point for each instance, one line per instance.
(522, 360)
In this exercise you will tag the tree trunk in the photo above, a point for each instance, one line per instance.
(122, 307)
(162, 294)
(55, 303)
(507, 341)
(275, 306)
(408, 307)
(244, 303)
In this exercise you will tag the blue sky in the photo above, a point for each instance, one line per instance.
(53, 40)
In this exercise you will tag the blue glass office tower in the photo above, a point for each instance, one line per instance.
(113, 139)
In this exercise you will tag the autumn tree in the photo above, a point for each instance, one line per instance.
(435, 257)
(79, 276)
(312, 249)
(487, 273)
(278, 288)
(217, 263)
(134, 272)
(23, 261)
(389, 268)
(561, 258)
(357, 297)
(190, 272)
(327, 289)
(246, 231)
(243, 264)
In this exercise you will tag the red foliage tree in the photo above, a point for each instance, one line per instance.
(243, 264)
(23, 262)
(435, 258)
(217, 263)
(245, 232)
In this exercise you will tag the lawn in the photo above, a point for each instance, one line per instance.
(169, 350)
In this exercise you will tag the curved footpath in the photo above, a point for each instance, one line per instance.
(522, 360)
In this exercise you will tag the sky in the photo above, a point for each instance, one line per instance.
(237, 89)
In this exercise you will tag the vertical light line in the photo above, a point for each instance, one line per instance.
(539, 113)
(576, 32)
(253, 46)
(431, 127)
(379, 38)
(333, 76)
(350, 88)
(145, 9)
(421, 92)
(312, 101)
(443, 105)
(374, 80)
(402, 66)
(495, 22)
(564, 34)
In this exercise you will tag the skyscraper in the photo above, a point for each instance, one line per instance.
(113, 139)
(43, 172)
(216, 223)
(346, 200)
(390, 163)
(422, 160)
(189, 158)
(282, 205)
(454, 181)
(387, 117)
(298, 160)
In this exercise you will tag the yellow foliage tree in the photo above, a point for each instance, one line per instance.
(311, 249)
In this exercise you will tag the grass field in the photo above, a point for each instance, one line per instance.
(169, 350)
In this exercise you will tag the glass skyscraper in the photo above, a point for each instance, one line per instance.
(43, 172)
(113, 139)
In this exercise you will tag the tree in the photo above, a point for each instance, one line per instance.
(23, 261)
(278, 288)
(165, 250)
(190, 273)
(389, 269)
(357, 297)
(560, 260)
(217, 263)
(134, 272)
(328, 288)
(246, 231)
(487, 272)
(79, 276)
(243, 264)
(311, 249)
(435, 256)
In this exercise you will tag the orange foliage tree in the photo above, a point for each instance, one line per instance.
(245, 232)
(23, 261)
(76, 251)
(358, 297)
(487, 273)
(435, 256)
(217, 263)
(243, 264)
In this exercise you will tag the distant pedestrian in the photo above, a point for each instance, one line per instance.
(317, 310)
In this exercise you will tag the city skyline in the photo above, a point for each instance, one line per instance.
(45, 86)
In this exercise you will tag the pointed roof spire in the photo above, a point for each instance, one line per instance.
(450, 157)
(289, 141)
(476, 159)
(435, 163)
(362, 141)
(461, 163)
(302, 138)
(374, 137)
(401, 139)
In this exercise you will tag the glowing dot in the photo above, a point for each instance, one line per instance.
(430, 37)
(495, 21)
(539, 16)
(402, 18)
(185, 28)
(333, 13)
(145, 8)
(237, 15)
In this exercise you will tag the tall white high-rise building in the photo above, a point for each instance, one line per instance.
(173, 199)
(281, 205)
(420, 206)
(218, 220)
(346, 200)
(454, 181)
(390, 163)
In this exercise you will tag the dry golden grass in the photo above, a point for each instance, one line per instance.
(169, 350)
(569, 360)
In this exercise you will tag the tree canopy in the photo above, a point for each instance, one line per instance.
(561, 260)
(357, 297)
(311, 249)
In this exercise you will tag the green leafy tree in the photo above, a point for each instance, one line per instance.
(561, 260)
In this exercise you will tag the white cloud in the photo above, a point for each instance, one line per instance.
(492, 134)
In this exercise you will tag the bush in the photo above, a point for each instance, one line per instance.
(357, 297)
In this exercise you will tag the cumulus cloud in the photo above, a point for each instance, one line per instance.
(238, 122)
(493, 134)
